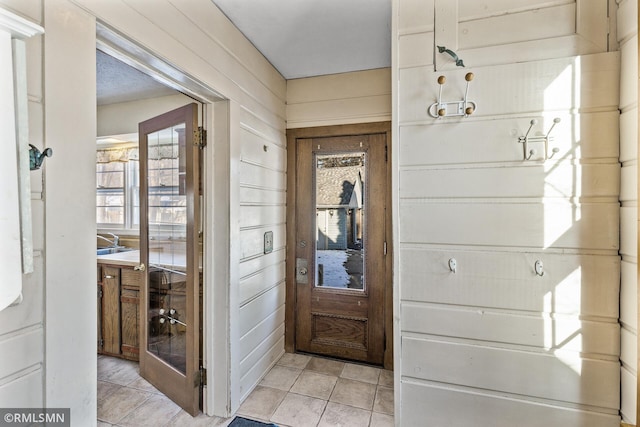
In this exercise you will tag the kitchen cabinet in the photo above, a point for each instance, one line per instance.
(119, 310)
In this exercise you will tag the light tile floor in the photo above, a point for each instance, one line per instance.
(298, 391)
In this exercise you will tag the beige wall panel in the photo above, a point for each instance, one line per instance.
(585, 82)
(260, 349)
(260, 196)
(592, 135)
(251, 266)
(629, 73)
(474, 9)
(629, 350)
(29, 312)
(252, 123)
(415, 50)
(257, 176)
(433, 404)
(123, 118)
(252, 240)
(415, 16)
(507, 280)
(37, 222)
(261, 281)
(257, 216)
(532, 179)
(32, 10)
(255, 311)
(340, 111)
(629, 231)
(262, 330)
(629, 135)
(25, 391)
(629, 393)
(34, 67)
(546, 225)
(629, 295)
(562, 376)
(627, 19)
(629, 182)
(536, 330)
(256, 150)
(21, 351)
(331, 87)
(535, 24)
(530, 50)
(257, 371)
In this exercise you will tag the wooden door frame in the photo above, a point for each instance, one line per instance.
(290, 299)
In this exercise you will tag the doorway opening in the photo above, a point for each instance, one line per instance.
(118, 206)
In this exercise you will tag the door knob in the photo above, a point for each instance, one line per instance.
(140, 267)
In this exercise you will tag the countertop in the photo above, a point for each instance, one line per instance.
(175, 261)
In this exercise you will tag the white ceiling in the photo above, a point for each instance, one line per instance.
(301, 38)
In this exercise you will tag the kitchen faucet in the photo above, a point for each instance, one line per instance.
(116, 239)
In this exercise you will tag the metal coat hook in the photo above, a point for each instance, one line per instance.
(453, 265)
(539, 269)
(36, 158)
(526, 140)
(454, 55)
(440, 108)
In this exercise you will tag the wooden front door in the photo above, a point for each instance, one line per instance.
(340, 246)
(170, 255)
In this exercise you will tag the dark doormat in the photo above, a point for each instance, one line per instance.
(245, 422)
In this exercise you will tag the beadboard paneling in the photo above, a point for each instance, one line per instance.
(587, 136)
(538, 225)
(573, 284)
(531, 180)
(561, 376)
(436, 404)
(531, 329)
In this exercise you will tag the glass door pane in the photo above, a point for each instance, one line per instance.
(340, 207)
(167, 250)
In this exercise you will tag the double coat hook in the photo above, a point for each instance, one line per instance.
(526, 140)
(440, 108)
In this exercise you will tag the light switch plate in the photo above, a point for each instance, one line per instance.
(268, 242)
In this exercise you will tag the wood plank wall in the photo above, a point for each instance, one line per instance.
(628, 41)
(494, 343)
(21, 326)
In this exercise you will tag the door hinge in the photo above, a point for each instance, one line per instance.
(202, 377)
(385, 248)
(386, 153)
(200, 137)
(101, 343)
(100, 292)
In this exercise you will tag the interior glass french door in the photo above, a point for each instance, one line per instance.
(171, 255)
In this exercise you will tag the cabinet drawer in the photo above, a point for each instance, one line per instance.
(130, 277)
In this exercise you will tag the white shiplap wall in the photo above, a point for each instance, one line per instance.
(628, 41)
(495, 344)
(198, 39)
(21, 326)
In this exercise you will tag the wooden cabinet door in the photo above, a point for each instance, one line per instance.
(111, 310)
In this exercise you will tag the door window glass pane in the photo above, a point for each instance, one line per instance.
(340, 215)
